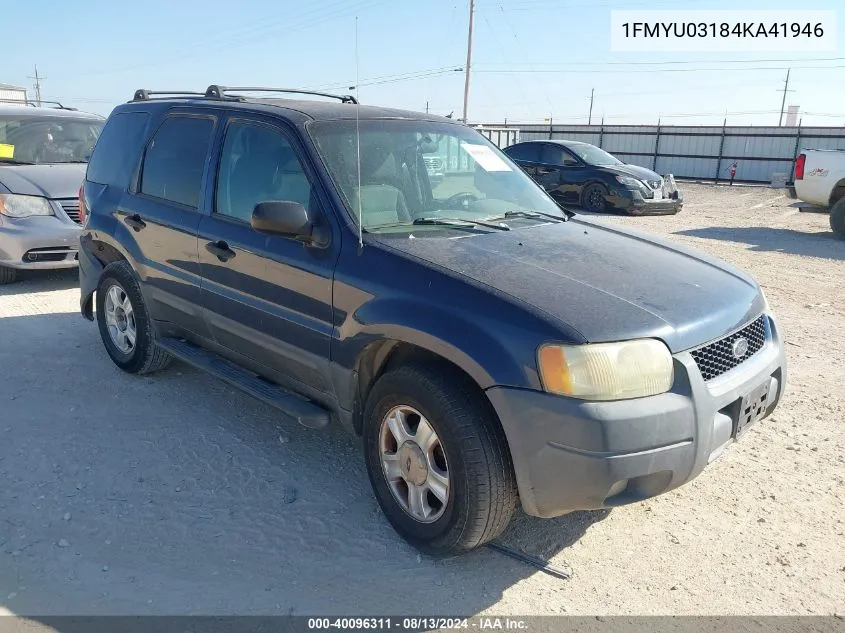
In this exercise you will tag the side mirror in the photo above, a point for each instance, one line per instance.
(288, 219)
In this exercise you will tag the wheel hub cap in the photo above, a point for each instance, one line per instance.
(120, 319)
(412, 463)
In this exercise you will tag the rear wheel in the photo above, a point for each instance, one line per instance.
(594, 198)
(437, 459)
(837, 218)
(124, 322)
(7, 275)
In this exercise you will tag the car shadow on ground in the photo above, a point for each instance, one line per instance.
(41, 281)
(176, 494)
(765, 238)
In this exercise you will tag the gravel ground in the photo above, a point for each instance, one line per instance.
(175, 494)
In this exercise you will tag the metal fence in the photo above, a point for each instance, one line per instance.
(702, 152)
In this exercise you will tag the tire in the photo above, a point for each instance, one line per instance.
(7, 275)
(473, 452)
(837, 218)
(594, 198)
(143, 356)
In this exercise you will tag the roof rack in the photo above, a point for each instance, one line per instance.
(32, 104)
(57, 105)
(220, 92)
(146, 95)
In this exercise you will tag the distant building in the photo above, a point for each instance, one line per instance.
(791, 116)
(14, 94)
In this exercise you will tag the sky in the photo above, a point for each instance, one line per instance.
(532, 59)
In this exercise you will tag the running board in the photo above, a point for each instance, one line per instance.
(303, 411)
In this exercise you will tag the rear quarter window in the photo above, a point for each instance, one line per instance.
(116, 152)
(175, 159)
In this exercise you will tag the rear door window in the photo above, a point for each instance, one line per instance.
(175, 160)
(528, 152)
(116, 152)
(557, 155)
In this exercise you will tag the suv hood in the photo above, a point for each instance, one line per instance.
(49, 181)
(640, 173)
(607, 283)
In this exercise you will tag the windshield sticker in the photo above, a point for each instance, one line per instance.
(485, 157)
(7, 151)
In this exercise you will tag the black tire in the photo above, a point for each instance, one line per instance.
(7, 275)
(482, 492)
(594, 198)
(145, 356)
(837, 218)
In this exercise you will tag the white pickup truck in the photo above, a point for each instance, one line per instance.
(820, 180)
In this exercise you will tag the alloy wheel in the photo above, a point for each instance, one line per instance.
(414, 463)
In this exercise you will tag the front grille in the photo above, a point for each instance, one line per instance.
(716, 358)
(71, 207)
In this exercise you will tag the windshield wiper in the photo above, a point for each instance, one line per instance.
(14, 161)
(461, 222)
(534, 214)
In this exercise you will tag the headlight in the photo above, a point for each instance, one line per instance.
(607, 371)
(629, 182)
(15, 206)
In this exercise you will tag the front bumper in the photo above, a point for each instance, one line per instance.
(571, 454)
(38, 242)
(629, 200)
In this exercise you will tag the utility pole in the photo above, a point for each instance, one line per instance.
(469, 57)
(590, 117)
(783, 102)
(426, 107)
(37, 86)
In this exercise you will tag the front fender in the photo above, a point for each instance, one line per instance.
(490, 352)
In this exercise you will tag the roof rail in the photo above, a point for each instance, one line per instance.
(220, 92)
(57, 105)
(32, 104)
(146, 95)
(17, 102)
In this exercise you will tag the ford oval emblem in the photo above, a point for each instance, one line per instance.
(740, 347)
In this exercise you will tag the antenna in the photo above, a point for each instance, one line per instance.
(358, 142)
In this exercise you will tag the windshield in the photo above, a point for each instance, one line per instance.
(592, 155)
(421, 171)
(38, 140)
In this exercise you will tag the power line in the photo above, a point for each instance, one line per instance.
(663, 70)
(545, 5)
(680, 61)
(523, 51)
(387, 79)
(328, 12)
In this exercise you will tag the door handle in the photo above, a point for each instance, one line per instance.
(135, 222)
(221, 250)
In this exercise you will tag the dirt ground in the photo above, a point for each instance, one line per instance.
(176, 494)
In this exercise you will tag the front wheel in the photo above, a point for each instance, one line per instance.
(837, 218)
(7, 275)
(125, 324)
(594, 198)
(437, 459)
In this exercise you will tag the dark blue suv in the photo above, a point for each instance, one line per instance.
(489, 347)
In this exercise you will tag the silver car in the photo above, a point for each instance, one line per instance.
(43, 156)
